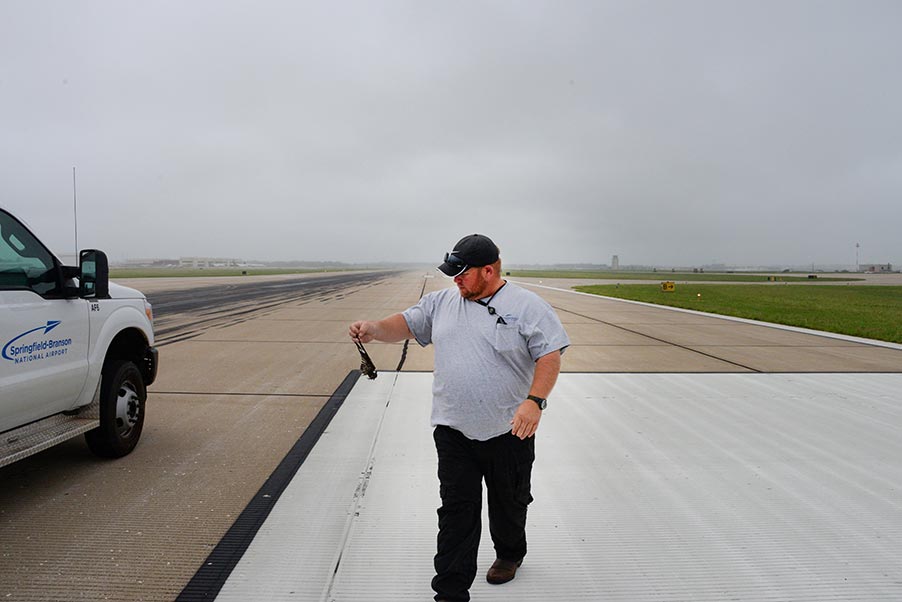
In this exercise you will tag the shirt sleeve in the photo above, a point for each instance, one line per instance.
(419, 319)
(547, 335)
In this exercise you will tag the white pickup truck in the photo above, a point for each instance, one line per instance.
(76, 351)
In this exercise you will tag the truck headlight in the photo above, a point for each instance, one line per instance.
(148, 309)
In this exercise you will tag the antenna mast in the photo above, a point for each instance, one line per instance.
(75, 211)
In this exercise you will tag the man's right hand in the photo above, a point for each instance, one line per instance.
(388, 330)
(362, 331)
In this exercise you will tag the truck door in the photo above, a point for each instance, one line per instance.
(43, 337)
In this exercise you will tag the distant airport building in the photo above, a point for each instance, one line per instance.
(209, 262)
(876, 268)
(615, 262)
(139, 262)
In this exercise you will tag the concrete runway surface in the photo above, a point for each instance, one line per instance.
(246, 366)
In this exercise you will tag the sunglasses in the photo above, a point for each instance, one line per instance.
(457, 263)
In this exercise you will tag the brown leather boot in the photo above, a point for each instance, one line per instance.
(502, 571)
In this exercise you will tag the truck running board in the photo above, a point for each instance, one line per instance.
(38, 436)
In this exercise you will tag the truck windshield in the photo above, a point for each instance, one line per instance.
(24, 262)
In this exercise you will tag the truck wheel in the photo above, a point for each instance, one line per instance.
(122, 397)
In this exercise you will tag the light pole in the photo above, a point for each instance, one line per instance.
(857, 265)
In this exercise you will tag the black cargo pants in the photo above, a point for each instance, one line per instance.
(505, 463)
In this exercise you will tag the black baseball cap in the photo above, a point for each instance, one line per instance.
(475, 250)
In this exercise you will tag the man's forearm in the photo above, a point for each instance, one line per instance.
(547, 369)
(528, 414)
(391, 329)
(388, 330)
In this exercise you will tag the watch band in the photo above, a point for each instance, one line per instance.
(541, 401)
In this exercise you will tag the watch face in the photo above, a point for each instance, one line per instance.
(539, 401)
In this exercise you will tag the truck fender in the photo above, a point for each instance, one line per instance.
(121, 322)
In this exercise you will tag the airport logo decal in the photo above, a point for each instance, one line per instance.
(34, 345)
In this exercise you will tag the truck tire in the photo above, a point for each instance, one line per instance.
(122, 397)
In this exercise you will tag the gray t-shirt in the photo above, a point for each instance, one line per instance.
(483, 369)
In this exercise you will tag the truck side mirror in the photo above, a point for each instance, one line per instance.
(93, 275)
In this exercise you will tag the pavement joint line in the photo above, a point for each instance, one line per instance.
(268, 341)
(354, 512)
(660, 340)
(238, 394)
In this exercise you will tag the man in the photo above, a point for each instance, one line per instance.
(497, 356)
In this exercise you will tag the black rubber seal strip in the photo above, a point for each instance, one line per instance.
(212, 575)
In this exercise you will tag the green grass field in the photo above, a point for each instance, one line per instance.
(873, 312)
(681, 276)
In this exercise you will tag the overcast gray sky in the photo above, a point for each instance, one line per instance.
(668, 132)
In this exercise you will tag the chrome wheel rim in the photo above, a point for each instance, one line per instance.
(128, 408)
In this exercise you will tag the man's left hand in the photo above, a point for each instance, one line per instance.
(526, 419)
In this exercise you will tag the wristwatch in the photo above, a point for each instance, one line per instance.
(540, 401)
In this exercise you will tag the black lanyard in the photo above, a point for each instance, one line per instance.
(491, 309)
(366, 364)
